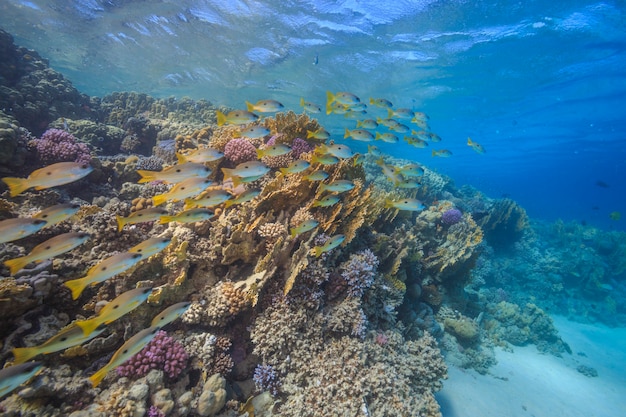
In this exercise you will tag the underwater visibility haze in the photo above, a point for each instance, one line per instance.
(312, 208)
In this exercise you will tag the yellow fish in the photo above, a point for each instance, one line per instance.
(189, 216)
(310, 107)
(421, 123)
(48, 249)
(475, 146)
(303, 227)
(342, 97)
(57, 213)
(367, 124)
(320, 133)
(70, 335)
(170, 314)
(243, 197)
(296, 167)
(49, 176)
(14, 376)
(175, 173)
(410, 170)
(210, 199)
(129, 349)
(265, 106)
(340, 151)
(273, 150)
(13, 229)
(330, 244)
(246, 169)
(338, 186)
(408, 204)
(116, 308)
(185, 189)
(329, 200)
(324, 159)
(444, 153)
(140, 216)
(387, 137)
(150, 246)
(316, 176)
(400, 113)
(200, 156)
(417, 142)
(389, 171)
(103, 270)
(381, 102)
(236, 117)
(254, 132)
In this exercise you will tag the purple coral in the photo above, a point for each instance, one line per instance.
(163, 352)
(451, 216)
(154, 411)
(266, 379)
(56, 145)
(300, 146)
(240, 150)
(359, 271)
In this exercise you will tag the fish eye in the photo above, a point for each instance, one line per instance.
(84, 166)
(48, 173)
(45, 216)
(116, 306)
(182, 188)
(139, 250)
(104, 268)
(63, 339)
(178, 170)
(48, 247)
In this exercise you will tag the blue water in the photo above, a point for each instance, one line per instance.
(541, 85)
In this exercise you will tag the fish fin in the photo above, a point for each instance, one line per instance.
(372, 101)
(221, 118)
(99, 376)
(330, 98)
(16, 185)
(76, 286)
(260, 153)
(309, 134)
(166, 219)
(378, 135)
(388, 203)
(318, 250)
(159, 199)
(389, 113)
(293, 232)
(181, 158)
(228, 172)
(302, 101)
(88, 326)
(189, 203)
(347, 134)
(434, 153)
(17, 263)
(359, 123)
(229, 203)
(121, 222)
(380, 161)
(146, 176)
(249, 106)
(236, 180)
(315, 159)
(285, 170)
(21, 355)
(469, 141)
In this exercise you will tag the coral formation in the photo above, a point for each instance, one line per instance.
(163, 352)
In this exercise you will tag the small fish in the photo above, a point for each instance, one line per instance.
(13, 229)
(129, 349)
(151, 246)
(475, 146)
(339, 186)
(337, 108)
(615, 215)
(200, 156)
(185, 189)
(358, 107)
(140, 216)
(265, 106)
(381, 102)
(244, 197)
(324, 159)
(273, 150)
(444, 153)
(340, 151)
(373, 150)
(387, 137)
(116, 308)
(210, 199)
(358, 159)
(57, 213)
(245, 180)
(48, 249)
(330, 244)
(103, 270)
(342, 97)
(400, 128)
(418, 115)
(246, 169)
(170, 314)
(254, 132)
(189, 216)
(408, 184)
(420, 123)
(415, 141)
(303, 227)
(316, 176)
(236, 117)
(296, 167)
(367, 124)
(354, 114)
(408, 204)
(329, 200)
(175, 173)
(70, 335)
(400, 113)
(310, 107)
(434, 137)
(359, 134)
(14, 376)
(388, 123)
(410, 170)
(389, 171)
(50, 176)
(321, 134)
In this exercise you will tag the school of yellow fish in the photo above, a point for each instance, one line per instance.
(189, 180)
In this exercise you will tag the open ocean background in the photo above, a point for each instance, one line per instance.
(541, 85)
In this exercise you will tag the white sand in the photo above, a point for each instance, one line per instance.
(526, 383)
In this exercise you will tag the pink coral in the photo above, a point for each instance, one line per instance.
(240, 150)
(163, 352)
(56, 145)
(300, 146)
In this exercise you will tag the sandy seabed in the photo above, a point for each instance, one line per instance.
(526, 383)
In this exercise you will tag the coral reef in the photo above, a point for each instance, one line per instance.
(163, 352)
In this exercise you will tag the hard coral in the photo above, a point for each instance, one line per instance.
(359, 272)
(266, 379)
(239, 150)
(163, 352)
(451, 216)
(57, 145)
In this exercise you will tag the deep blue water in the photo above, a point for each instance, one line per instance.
(541, 85)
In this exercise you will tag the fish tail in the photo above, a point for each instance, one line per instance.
(318, 250)
(121, 222)
(76, 286)
(330, 98)
(181, 158)
(166, 219)
(260, 153)
(434, 153)
(249, 106)
(285, 170)
(228, 172)
(99, 376)
(378, 136)
(16, 185)
(146, 176)
(159, 199)
(469, 141)
(293, 232)
(237, 180)
(372, 101)
(88, 326)
(359, 123)
(229, 203)
(21, 355)
(221, 118)
(17, 263)
(389, 203)
(380, 161)
(389, 113)
(189, 203)
(347, 134)
(302, 101)
(310, 134)
(323, 187)
(315, 159)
